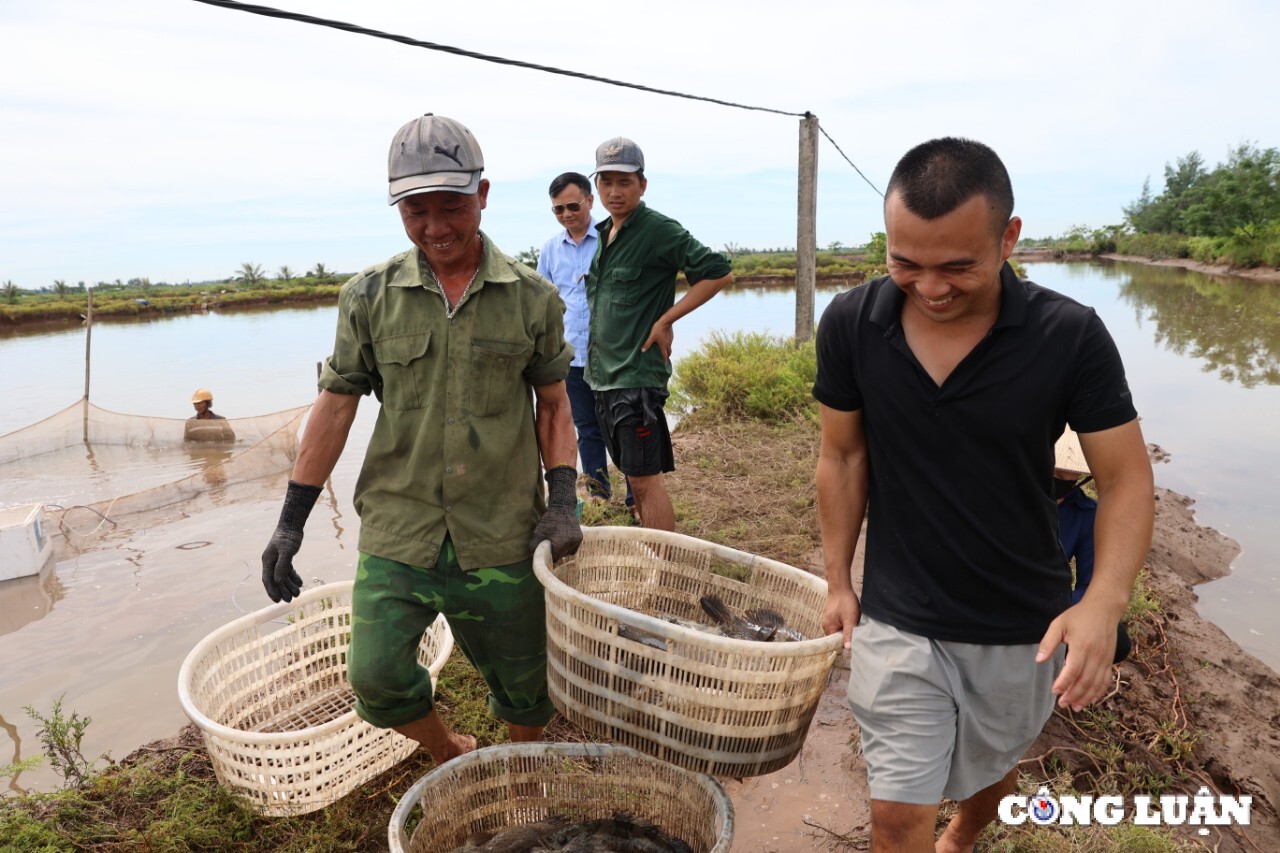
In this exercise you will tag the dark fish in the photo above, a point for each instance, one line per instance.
(766, 618)
(733, 625)
(618, 834)
(474, 841)
(516, 839)
(638, 635)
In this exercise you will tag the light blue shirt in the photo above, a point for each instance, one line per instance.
(565, 263)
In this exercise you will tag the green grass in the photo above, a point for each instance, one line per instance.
(28, 306)
(169, 800)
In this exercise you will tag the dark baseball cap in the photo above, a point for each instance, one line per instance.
(431, 154)
(619, 155)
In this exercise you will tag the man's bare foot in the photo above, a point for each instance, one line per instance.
(435, 737)
(458, 746)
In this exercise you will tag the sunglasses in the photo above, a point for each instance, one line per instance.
(572, 207)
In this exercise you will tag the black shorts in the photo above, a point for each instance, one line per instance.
(635, 429)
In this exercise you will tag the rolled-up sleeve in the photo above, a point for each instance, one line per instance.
(351, 369)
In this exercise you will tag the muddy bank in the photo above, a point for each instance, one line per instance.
(1256, 273)
(1052, 256)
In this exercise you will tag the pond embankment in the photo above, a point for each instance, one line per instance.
(1042, 255)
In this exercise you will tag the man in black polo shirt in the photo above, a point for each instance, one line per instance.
(944, 386)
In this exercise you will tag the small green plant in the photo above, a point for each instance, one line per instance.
(1176, 742)
(1143, 601)
(61, 736)
(9, 771)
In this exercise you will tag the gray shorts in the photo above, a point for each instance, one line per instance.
(943, 719)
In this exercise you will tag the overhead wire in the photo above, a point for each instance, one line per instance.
(847, 160)
(271, 12)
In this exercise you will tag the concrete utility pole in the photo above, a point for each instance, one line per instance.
(88, 339)
(807, 227)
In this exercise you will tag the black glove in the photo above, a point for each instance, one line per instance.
(279, 578)
(559, 523)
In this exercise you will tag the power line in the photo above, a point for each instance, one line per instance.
(444, 48)
(270, 12)
(847, 160)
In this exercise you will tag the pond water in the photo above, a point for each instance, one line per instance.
(108, 630)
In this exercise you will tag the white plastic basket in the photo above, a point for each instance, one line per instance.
(707, 703)
(269, 692)
(498, 787)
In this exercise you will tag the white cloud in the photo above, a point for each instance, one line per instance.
(149, 134)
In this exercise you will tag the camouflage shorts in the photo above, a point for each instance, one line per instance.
(498, 619)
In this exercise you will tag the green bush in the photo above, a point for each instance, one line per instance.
(1154, 246)
(1253, 246)
(747, 375)
(1205, 249)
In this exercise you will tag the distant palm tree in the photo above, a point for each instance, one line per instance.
(251, 274)
(286, 274)
(10, 292)
(320, 271)
(60, 287)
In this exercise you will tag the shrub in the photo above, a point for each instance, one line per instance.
(1155, 246)
(747, 375)
(1205, 249)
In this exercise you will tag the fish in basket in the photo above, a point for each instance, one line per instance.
(698, 654)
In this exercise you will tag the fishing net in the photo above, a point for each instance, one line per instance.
(97, 470)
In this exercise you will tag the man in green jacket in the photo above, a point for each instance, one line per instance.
(631, 289)
(457, 341)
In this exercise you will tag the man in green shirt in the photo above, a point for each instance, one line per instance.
(457, 341)
(631, 289)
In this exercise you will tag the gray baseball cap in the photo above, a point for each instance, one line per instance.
(619, 155)
(433, 153)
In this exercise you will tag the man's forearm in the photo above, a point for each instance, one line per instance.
(1125, 514)
(553, 425)
(1122, 538)
(842, 505)
(697, 296)
(325, 436)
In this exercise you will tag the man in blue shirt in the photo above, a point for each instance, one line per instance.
(564, 261)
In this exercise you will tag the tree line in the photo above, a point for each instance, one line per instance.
(1226, 214)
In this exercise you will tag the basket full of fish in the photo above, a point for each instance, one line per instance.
(554, 797)
(697, 654)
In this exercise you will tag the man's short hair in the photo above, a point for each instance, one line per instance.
(937, 176)
(568, 179)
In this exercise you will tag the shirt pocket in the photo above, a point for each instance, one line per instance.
(497, 367)
(404, 368)
(622, 283)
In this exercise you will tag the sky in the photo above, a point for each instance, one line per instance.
(174, 140)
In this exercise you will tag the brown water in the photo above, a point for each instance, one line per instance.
(108, 630)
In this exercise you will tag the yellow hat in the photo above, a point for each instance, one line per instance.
(1067, 454)
(202, 395)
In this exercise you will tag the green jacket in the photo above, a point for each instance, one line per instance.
(631, 284)
(453, 449)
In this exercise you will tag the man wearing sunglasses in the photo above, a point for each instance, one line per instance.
(564, 261)
(632, 289)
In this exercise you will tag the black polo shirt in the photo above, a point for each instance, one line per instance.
(962, 531)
